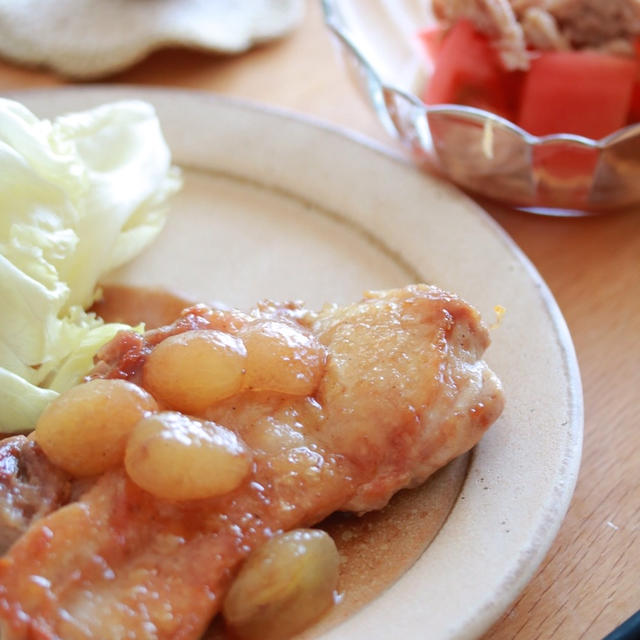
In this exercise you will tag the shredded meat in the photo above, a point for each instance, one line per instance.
(541, 30)
(594, 23)
(517, 26)
(493, 17)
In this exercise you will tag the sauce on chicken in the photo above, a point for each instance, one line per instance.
(402, 390)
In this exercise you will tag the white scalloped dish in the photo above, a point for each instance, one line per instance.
(91, 38)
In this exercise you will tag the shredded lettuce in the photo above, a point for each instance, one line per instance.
(79, 196)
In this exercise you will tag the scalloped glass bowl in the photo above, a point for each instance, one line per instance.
(562, 174)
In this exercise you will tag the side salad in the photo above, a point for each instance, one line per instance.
(79, 196)
(550, 66)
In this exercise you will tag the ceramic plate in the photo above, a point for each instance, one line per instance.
(279, 207)
(85, 38)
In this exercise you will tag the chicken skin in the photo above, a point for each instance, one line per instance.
(402, 390)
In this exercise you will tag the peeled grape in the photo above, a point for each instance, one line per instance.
(282, 358)
(177, 457)
(284, 586)
(85, 430)
(191, 371)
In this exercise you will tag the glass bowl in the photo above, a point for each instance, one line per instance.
(561, 174)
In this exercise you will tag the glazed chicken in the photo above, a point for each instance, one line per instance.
(393, 388)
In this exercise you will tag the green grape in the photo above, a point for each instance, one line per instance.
(284, 586)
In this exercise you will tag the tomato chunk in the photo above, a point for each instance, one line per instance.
(468, 72)
(581, 92)
(634, 108)
(431, 39)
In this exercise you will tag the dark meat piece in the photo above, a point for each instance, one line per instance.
(30, 487)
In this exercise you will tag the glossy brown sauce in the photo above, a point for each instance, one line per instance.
(377, 548)
(133, 305)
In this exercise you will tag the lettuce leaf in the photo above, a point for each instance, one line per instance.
(79, 196)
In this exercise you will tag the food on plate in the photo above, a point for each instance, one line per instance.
(360, 402)
(79, 196)
(179, 478)
(550, 66)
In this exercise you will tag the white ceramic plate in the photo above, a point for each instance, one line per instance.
(280, 207)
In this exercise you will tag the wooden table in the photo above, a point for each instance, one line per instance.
(590, 580)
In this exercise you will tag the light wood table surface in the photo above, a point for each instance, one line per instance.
(590, 580)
